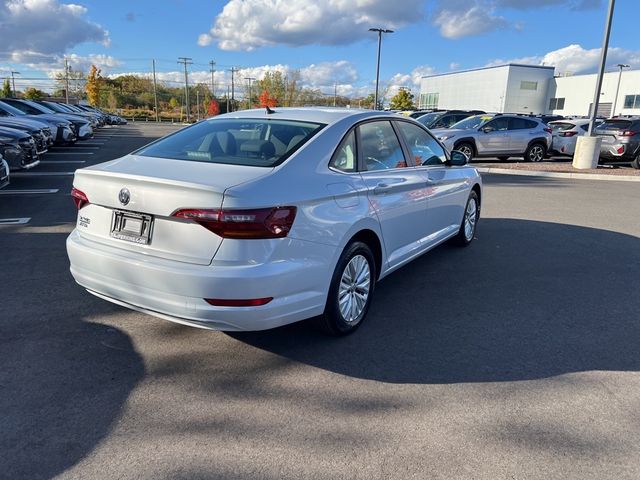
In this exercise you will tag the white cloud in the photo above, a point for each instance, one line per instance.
(576, 59)
(44, 29)
(250, 24)
(407, 80)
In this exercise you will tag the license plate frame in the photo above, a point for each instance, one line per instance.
(131, 227)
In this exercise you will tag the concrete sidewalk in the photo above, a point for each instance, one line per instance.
(555, 169)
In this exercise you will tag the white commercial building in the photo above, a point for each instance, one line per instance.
(532, 89)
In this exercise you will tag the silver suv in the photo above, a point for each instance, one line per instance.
(620, 140)
(498, 135)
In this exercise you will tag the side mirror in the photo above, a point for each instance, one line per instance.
(458, 159)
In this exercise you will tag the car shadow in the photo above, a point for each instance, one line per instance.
(64, 378)
(527, 300)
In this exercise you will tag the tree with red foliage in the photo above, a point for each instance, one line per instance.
(266, 100)
(213, 109)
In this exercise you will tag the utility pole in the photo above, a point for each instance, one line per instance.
(66, 80)
(13, 81)
(155, 89)
(186, 61)
(213, 71)
(249, 80)
(227, 98)
(198, 102)
(233, 70)
(335, 93)
(615, 101)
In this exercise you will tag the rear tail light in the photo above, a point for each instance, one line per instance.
(79, 198)
(620, 150)
(250, 224)
(628, 133)
(568, 134)
(253, 302)
(548, 130)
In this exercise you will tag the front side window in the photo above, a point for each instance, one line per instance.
(345, 158)
(425, 150)
(251, 142)
(498, 124)
(380, 146)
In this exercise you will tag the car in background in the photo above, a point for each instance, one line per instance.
(61, 129)
(498, 135)
(565, 135)
(4, 172)
(40, 131)
(256, 219)
(545, 118)
(620, 140)
(445, 118)
(419, 113)
(18, 149)
(81, 126)
(64, 109)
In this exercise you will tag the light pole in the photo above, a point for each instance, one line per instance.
(615, 101)
(380, 32)
(13, 81)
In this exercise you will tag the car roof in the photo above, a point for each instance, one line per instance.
(308, 114)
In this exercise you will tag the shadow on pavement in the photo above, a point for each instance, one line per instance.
(63, 379)
(527, 300)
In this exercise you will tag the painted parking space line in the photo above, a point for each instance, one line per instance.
(70, 153)
(51, 162)
(76, 147)
(41, 174)
(33, 191)
(14, 221)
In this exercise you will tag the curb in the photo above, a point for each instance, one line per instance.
(573, 176)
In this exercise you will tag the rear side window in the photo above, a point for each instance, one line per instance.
(615, 125)
(345, 158)
(250, 142)
(380, 146)
(521, 124)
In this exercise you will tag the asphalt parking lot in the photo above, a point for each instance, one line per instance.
(516, 358)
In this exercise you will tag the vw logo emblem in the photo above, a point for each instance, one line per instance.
(124, 196)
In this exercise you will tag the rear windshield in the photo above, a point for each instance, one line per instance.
(614, 125)
(559, 127)
(251, 142)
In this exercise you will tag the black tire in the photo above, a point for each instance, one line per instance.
(535, 152)
(332, 321)
(464, 237)
(466, 148)
(635, 163)
(503, 158)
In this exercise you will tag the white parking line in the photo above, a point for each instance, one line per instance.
(76, 147)
(34, 191)
(14, 221)
(70, 153)
(41, 174)
(49, 162)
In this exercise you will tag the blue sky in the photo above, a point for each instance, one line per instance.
(327, 40)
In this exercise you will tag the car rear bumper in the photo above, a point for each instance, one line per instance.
(176, 291)
(619, 151)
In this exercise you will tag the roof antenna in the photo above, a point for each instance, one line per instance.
(269, 111)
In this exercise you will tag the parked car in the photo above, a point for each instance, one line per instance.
(4, 172)
(620, 140)
(81, 127)
(546, 118)
(445, 118)
(65, 109)
(256, 219)
(498, 135)
(40, 132)
(61, 129)
(565, 135)
(18, 149)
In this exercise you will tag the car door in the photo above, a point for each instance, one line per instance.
(521, 131)
(447, 188)
(493, 137)
(397, 192)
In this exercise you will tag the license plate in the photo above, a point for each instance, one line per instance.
(131, 227)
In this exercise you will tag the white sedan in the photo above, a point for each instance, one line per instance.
(259, 218)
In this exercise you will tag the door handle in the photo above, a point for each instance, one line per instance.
(381, 189)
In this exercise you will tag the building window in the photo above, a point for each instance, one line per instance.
(429, 100)
(632, 101)
(526, 85)
(556, 104)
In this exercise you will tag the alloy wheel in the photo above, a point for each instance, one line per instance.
(470, 219)
(355, 285)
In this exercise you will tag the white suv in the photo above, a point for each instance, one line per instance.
(498, 135)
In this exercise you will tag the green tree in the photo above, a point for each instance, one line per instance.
(6, 88)
(403, 100)
(34, 94)
(369, 101)
(173, 103)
